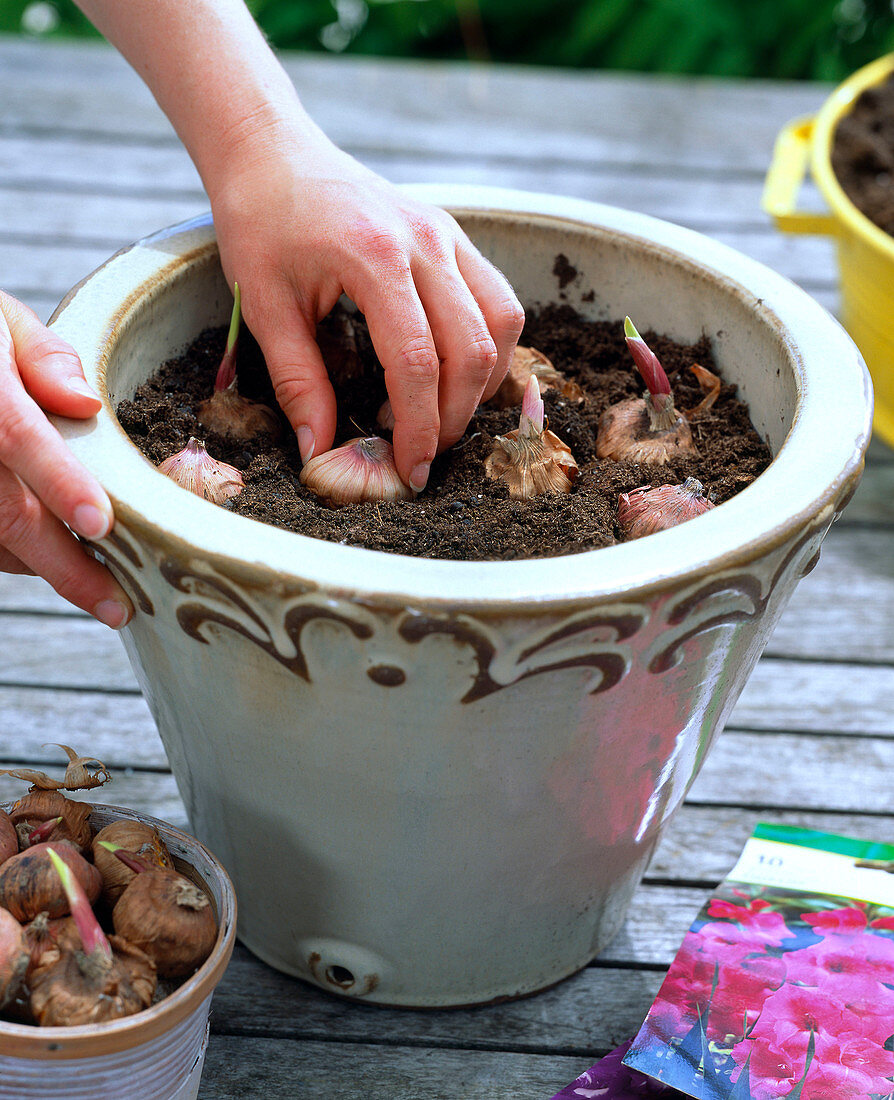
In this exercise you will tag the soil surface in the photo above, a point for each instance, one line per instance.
(863, 154)
(461, 514)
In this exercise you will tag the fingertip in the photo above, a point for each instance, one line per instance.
(115, 612)
(80, 399)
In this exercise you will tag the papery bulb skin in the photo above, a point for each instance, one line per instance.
(70, 988)
(360, 470)
(96, 979)
(194, 469)
(169, 918)
(14, 957)
(531, 459)
(524, 363)
(29, 884)
(710, 385)
(9, 841)
(132, 836)
(44, 933)
(646, 510)
(625, 434)
(644, 429)
(40, 807)
(235, 417)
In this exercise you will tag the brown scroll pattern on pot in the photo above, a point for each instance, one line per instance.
(593, 639)
(194, 616)
(587, 640)
(120, 554)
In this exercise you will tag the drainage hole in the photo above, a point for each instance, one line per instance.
(340, 975)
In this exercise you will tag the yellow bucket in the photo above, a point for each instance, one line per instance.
(865, 252)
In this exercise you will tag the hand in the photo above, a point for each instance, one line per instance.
(299, 222)
(42, 487)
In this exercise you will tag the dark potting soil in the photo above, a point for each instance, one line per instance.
(863, 154)
(461, 514)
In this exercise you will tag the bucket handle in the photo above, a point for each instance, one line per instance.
(785, 178)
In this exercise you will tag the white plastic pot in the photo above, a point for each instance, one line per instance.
(438, 782)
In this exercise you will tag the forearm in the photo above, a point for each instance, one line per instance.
(212, 73)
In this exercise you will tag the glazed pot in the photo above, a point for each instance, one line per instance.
(865, 251)
(435, 782)
(157, 1054)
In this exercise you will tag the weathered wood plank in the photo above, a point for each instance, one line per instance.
(116, 728)
(594, 1010)
(447, 108)
(71, 169)
(844, 609)
(270, 1068)
(67, 651)
(808, 697)
(785, 770)
(114, 220)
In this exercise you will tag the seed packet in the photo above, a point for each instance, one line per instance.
(784, 985)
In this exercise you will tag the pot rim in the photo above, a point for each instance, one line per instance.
(95, 1040)
(840, 103)
(814, 472)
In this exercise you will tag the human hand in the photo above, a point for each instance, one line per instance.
(299, 222)
(42, 486)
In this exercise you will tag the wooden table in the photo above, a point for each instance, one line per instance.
(88, 163)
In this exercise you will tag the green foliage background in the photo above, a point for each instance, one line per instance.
(818, 39)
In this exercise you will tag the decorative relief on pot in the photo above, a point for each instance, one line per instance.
(119, 551)
(604, 640)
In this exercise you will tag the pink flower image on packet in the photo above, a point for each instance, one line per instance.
(784, 985)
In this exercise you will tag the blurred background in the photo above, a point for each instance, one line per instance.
(792, 39)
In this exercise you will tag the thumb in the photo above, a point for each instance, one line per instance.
(48, 366)
(300, 381)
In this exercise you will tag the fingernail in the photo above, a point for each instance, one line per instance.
(82, 388)
(91, 521)
(419, 477)
(306, 442)
(112, 612)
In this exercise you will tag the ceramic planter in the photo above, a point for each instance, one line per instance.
(433, 782)
(156, 1054)
(865, 251)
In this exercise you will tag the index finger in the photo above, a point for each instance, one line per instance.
(405, 347)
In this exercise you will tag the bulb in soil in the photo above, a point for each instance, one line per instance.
(14, 957)
(104, 978)
(170, 918)
(132, 836)
(38, 808)
(9, 841)
(194, 469)
(644, 429)
(235, 417)
(226, 412)
(360, 470)
(646, 510)
(531, 460)
(524, 363)
(29, 885)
